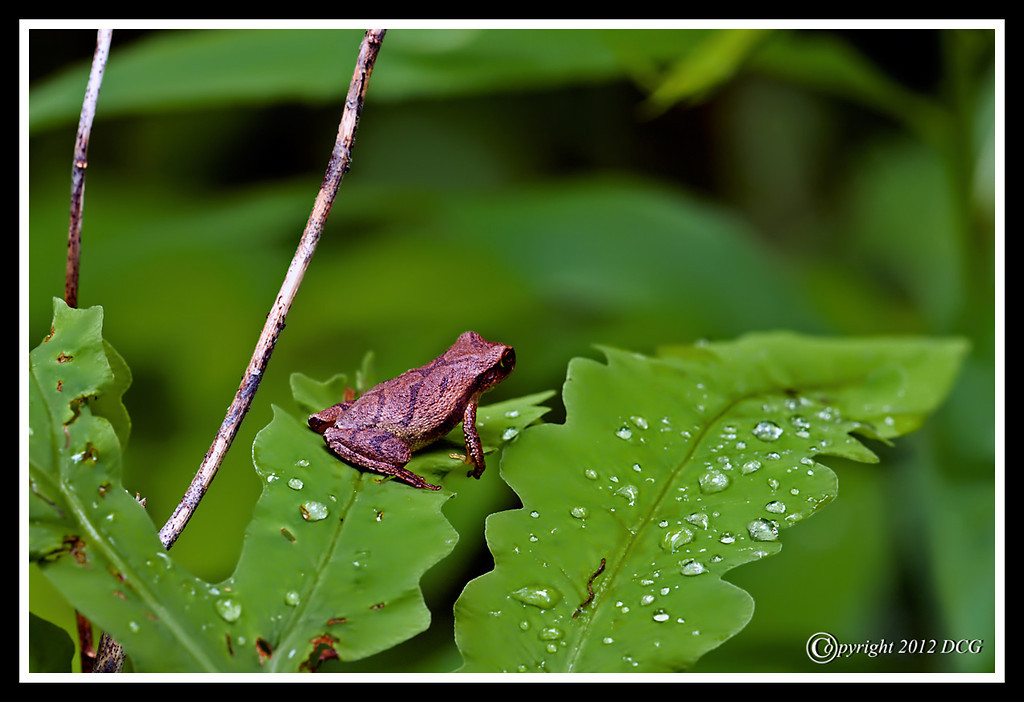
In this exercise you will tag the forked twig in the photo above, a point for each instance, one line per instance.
(336, 169)
(92, 94)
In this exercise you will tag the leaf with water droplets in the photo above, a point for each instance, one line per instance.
(331, 562)
(667, 473)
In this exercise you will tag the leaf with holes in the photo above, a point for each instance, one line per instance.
(667, 473)
(89, 537)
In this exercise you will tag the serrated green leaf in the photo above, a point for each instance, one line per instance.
(348, 547)
(92, 539)
(668, 473)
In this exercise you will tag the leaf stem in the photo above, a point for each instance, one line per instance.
(336, 168)
(92, 94)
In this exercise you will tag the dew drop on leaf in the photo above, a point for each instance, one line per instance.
(313, 511)
(698, 519)
(538, 596)
(550, 634)
(763, 530)
(767, 431)
(713, 480)
(674, 539)
(228, 609)
(629, 492)
(693, 567)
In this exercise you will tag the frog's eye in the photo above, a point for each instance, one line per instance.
(508, 358)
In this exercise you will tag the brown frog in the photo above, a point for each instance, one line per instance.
(382, 428)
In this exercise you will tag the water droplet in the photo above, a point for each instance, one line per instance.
(550, 634)
(767, 431)
(291, 598)
(727, 538)
(713, 481)
(302, 463)
(590, 474)
(763, 530)
(538, 596)
(624, 432)
(295, 484)
(630, 492)
(640, 422)
(673, 540)
(228, 609)
(693, 567)
(660, 616)
(750, 466)
(509, 434)
(646, 600)
(579, 512)
(313, 511)
(134, 627)
(698, 519)
(512, 414)
(775, 507)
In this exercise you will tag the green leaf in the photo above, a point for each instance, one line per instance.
(92, 539)
(667, 473)
(709, 65)
(50, 649)
(348, 547)
(213, 68)
(331, 561)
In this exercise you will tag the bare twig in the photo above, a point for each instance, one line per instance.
(336, 169)
(92, 94)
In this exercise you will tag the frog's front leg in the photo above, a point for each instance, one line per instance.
(376, 449)
(474, 449)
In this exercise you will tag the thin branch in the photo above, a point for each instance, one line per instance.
(337, 167)
(92, 94)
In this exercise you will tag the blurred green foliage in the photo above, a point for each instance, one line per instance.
(551, 190)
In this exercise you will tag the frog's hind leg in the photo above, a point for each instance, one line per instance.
(376, 450)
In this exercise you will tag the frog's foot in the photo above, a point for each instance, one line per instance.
(478, 469)
(408, 477)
